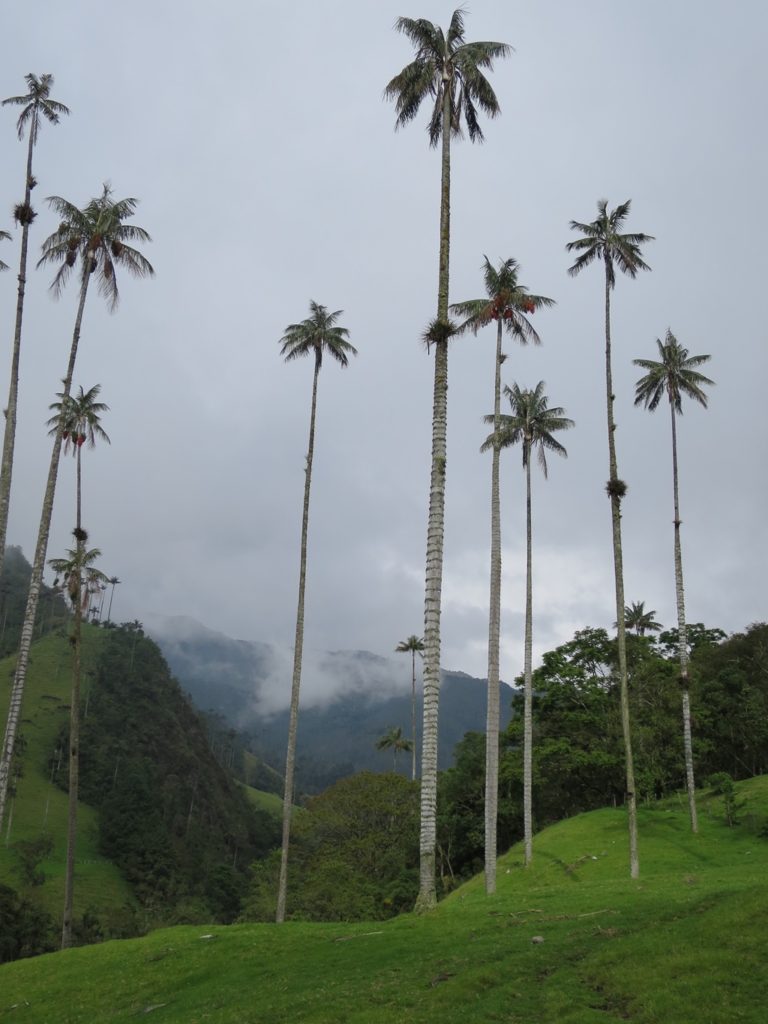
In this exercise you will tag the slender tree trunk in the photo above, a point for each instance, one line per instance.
(528, 670)
(427, 897)
(38, 566)
(494, 630)
(109, 613)
(9, 437)
(290, 757)
(614, 488)
(682, 632)
(413, 714)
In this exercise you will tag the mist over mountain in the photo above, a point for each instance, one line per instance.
(349, 699)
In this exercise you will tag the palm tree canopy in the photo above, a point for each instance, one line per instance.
(674, 374)
(99, 235)
(445, 61)
(318, 334)
(506, 300)
(394, 739)
(531, 424)
(4, 236)
(412, 644)
(78, 568)
(36, 102)
(637, 618)
(603, 239)
(78, 416)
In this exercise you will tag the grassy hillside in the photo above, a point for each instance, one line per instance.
(571, 940)
(40, 807)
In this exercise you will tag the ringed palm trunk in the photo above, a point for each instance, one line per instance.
(9, 437)
(74, 727)
(527, 671)
(413, 714)
(683, 640)
(618, 568)
(427, 897)
(494, 630)
(33, 597)
(293, 718)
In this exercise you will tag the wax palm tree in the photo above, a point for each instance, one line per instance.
(675, 375)
(603, 239)
(637, 618)
(532, 424)
(449, 71)
(396, 742)
(37, 105)
(78, 419)
(113, 582)
(76, 570)
(413, 645)
(509, 304)
(317, 336)
(99, 237)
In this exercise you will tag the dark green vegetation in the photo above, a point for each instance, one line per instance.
(14, 583)
(165, 835)
(684, 944)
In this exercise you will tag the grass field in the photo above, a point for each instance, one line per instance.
(570, 940)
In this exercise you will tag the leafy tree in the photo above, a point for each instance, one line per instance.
(602, 239)
(637, 618)
(532, 425)
(99, 237)
(413, 645)
(318, 335)
(36, 105)
(26, 930)
(76, 569)
(675, 375)
(509, 304)
(450, 71)
(396, 742)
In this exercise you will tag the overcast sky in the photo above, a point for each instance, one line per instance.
(257, 140)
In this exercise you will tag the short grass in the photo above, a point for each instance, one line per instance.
(40, 807)
(571, 940)
(269, 802)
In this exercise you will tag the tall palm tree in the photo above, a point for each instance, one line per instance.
(532, 424)
(100, 239)
(37, 105)
(396, 742)
(637, 618)
(113, 582)
(448, 70)
(318, 335)
(413, 645)
(76, 570)
(675, 375)
(509, 304)
(603, 239)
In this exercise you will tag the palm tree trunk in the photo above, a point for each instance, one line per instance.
(290, 757)
(413, 715)
(614, 488)
(494, 630)
(527, 671)
(9, 437)
(109, 612)
(38, 566)
(683, 639)
(427, 897)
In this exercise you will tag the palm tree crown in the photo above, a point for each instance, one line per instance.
(637, 618)
(506, 300)
(413, 644)
(318, 334)
(531, 424)
(445, 63)
(78, 416)
(37, 102)
(99, 236)
(674, 375)
(76, 570)
(4, 236)
(602, 239)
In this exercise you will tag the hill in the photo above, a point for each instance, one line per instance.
(349, 700)
(571, 940)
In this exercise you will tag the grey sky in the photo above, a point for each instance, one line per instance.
(256, 137)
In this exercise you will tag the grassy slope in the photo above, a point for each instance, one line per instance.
(269, 802)
(686, 943)
(42, 807)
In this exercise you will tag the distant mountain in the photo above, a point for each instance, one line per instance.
(349, 700)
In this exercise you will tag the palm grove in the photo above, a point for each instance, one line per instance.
(95, 243)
